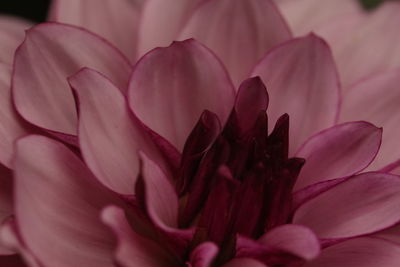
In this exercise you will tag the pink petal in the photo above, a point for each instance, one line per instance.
(376, 100)
(339, 151)
(109, 136)
(365, 252)
(11, 126)
(203, 255)
(390, 234)
(50, 53)
(295, 239)
(116, 20)
(376, 31)
(58, 202)
(302, 81)
(134, 250)
(304, 16)
(161, 22)
(12, 32)
(244, 262)
(240, 32)
(171, 87)
(360, 205)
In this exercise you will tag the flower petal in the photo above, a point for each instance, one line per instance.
(11, 126)
(50, 53)
(161, 22)
(304, 16)
(12, 32)
(116, 20)
(342, 150)
(203, 255)
(171, 87)
(378, 33)
(365, 252)
(240, 32)
(302, 81)
(58, 202)
(360, 205)
(132, 249)
(376, 100)
(244, 262)
(110, 137)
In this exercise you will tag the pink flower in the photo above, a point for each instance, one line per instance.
(133, 163)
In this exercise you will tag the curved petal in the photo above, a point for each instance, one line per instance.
(161, 22)
(340, 151)
(360, 205)
(11, 126)
(365, 43)
(302, 81)
(50, 53)
(134, 250)
(12, 33)
(305, 16)
(109, 136)
(392, 234)
(171, 87)
(203, 255)
(365, 252)
(244, 262)
(240, 32)
(58, 201)
(376, 100)
(116, 20)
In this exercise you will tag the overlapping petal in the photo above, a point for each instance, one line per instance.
(58, 202)
(239, 32)
(50, 53)
(342, 150)
(301, 79)
(171, 87)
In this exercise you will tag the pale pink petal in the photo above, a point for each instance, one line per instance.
(203, 255)
(342, 150)
(11, 127)
(304, 16)
(365, 43)
(50, 53)
(239, 32)
(295, 239)
(58, 204)
(244, 262)
(116, 20)
(132, 249)
(376, 100)
(302, 81)
(12, 33)
(109, 136)
(161, 21)
(365, 252)
(171, 87)
(360, 205)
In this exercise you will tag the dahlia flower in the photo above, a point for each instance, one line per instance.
(237, 148)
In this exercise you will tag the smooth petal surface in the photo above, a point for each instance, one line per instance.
(365, 43)
(365, 252)
(11, 126)
(58, 202)
(132, 249)
(109, 136)
(340, 151)
(171, 87)
(239, 32)
(203, 255)
(116, 20)
(305, 16)
(301, 79)
(161, 22)
(376, 100)
(50, 53)
(362, 204)
(244, 262)
(12, 32)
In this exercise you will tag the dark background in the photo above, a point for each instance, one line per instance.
(36, 10)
